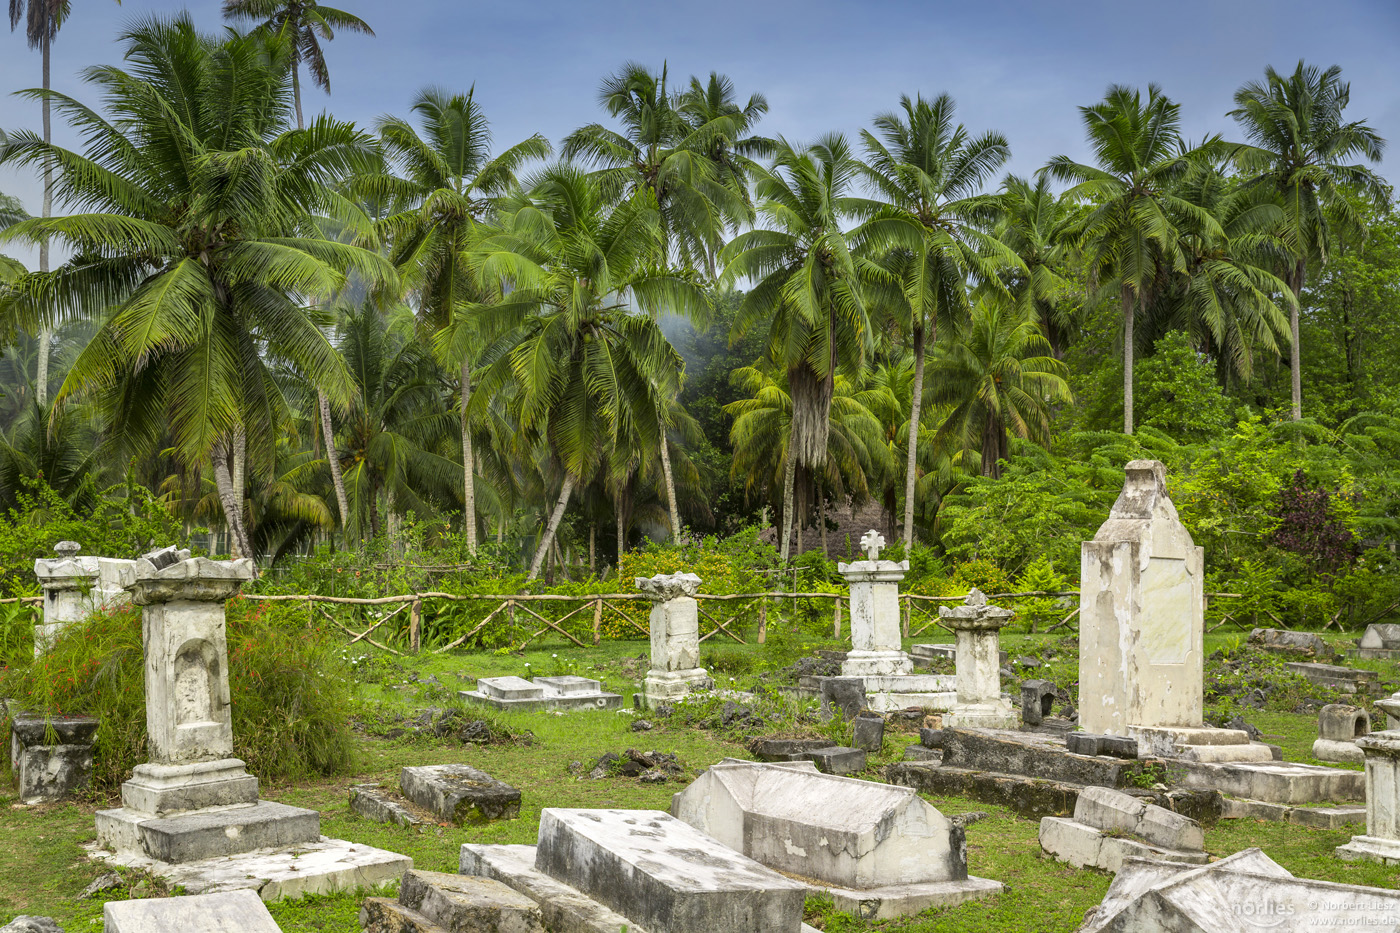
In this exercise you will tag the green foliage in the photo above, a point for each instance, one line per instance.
(1177, 392)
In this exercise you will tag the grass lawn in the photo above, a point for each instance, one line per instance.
(44, 869)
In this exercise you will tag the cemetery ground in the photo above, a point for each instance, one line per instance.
(44, 869)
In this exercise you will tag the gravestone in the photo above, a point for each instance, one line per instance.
(1381, 843)
(550, 693)
(51, 770)
(1037, 701)
(980, 703)
(1142, 629)
(1380, 640)
(675, 638)
(1110, 826)
(74, 588)
(874, 607)
(1338, 728)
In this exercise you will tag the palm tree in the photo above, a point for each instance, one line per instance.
(197, 240)
(931, 173)
(1037, 225)
(582, 283)
(998, 377)
(448, 187)
(1132, 229)
(1298, 146)
(303, 23)
(42, 20)
(807, 288)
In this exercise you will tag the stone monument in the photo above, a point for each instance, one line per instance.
(1338, 728)
(74, 587)
(1381, 843)
(1142, 629)
(877, 645)
(675, 638)
(980, 703)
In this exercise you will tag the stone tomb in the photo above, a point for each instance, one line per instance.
(551, 693)
(596, 870)
(1380, 641)
(878, 850)
(675, 638)
(1243, 892)
(1142, 629)
(1338, 728)
(980, 703)
(227, 912)
(431, 901)
(48, 771)
(1345, 679)
(1109, 826)
(193, 803)
(460, 794)
(75, 587)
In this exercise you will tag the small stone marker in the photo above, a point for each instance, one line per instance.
(844, 695)
(675, 638)
(460, 794)
(228, 912)
(663, 874)
(768, 749)
(1037, 701)
(837, 759)
(1338, 728)
(48, 772)
(868, 732)
(980, 703)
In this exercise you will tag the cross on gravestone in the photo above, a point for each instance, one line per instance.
(871, 542)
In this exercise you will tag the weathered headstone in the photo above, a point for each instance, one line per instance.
(874, 607)
(51, 770)
(1381, 843)
(1380, 640)
(1338, 728)
(881, 851)
(675, 637)
(980, 703)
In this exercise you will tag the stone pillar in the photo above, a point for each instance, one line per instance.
(876, 638)
(980, 703)
(1141, 616)
(675, 638)
(1382, 840)
(68, 581)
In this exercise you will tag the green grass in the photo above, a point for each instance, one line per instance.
(45, 868)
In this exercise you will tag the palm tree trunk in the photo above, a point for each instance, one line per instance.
(230, 499)
(468, 463)
(785, 532)
(821, 517)
(1127, 298)
(552, 527)
(1300, 272)
(592, 547)
(910, 465)
(621, 533)
(296, 95)
(41, 375)
(670, 487)
(337, 477)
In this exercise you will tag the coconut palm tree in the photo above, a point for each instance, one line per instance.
(998, 377)
(42, 20)
(196, 241)
(1298, 145)
(931, 172)
(1037, 224)
(1131, 231)
(582, 282)
(448, 184)
(807, 288)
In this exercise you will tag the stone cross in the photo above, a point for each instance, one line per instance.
(871, 542)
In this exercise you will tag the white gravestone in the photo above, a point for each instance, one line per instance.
(876, 640)
(980, 703)
(675, 637)
(1381, 843)
(74, 588)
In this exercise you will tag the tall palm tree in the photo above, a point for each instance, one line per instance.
(1131, 230)
(42, 20)
(582, 283)
(1299, 145)
(196, 243)
(448, 186)
(1037, 225)
(931, 172)
(998, 377)
(304, 24)
(807, 288)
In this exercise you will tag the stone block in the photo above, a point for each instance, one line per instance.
(1162, 827)
(227, 912)
(1283, 782)
(663, 874)
(1285, 642)
(1333, 750)
(209, 833)
(1108, 810)
(921, 752)
(1345, 679)
(35, 729)
(1341, 723)
(386, 915)
(570, 685)
(167, 790)
(845, 695)
(460, 794)
(768, 749)
(53, 772)
(1384, 635)
(1037, 701)
(1117, 746)
(1086, 847)
(868, 733)
(466, 904)
(932, 738)
(836, 759)
(1029, 797)
(509, 688)
(565, 910)
(1032, 754)
(373, 804)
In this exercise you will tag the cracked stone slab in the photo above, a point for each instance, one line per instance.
(227, 912)
(460, 794)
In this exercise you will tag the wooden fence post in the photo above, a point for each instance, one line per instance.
(762, 619)
(598, 620)
(415, 626)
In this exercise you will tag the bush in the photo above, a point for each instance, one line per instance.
(289, 684)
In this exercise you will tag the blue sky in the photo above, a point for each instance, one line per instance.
(1019, 67)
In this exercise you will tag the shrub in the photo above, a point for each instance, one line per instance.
(289, 684)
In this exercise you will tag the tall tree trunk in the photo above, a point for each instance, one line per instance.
(785, 532)
(592, 547)
(41, 376)
(621, 532)
(1127, 299)
(468, 463)
(337, 477)
(1299, 276)
(552, 527)
(296, 95)
(670, 487)
(374, 514)
(230, 499)
(821, 518)
(910, 464)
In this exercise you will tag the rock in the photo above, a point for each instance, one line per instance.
(476, 732)
(1028, 662)
(845, 695)
(653, 777)
(869, 732)
(28, 924)
(1239, 723)
(464, 904)
(1304, 644)
(227, 912)
(460, 794)
(641, 725)
(110, 881)
(836, 759)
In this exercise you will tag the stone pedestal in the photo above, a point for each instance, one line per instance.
(675, 638)
(876, 640)
(980, 703)
(1382, 840)
(51, 756)
(74, 587)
